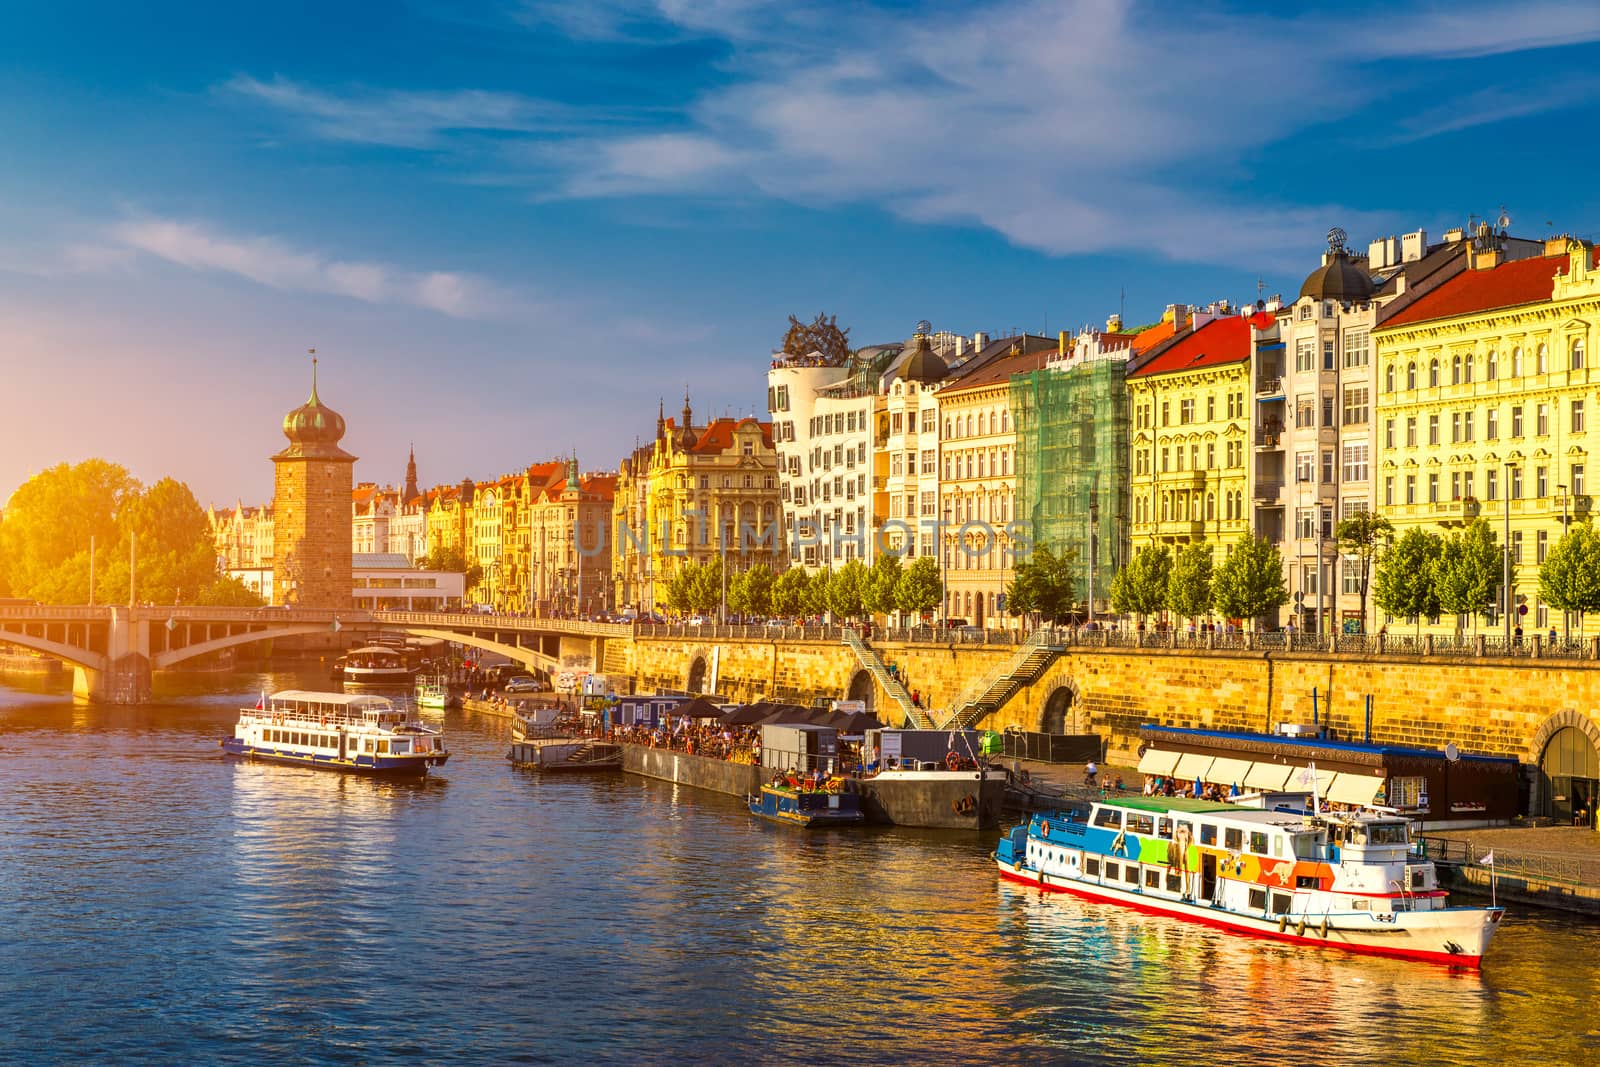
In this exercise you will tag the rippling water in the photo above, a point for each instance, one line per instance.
(165, 905)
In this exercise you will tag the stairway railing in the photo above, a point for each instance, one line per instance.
(999, 685)
(869, 659)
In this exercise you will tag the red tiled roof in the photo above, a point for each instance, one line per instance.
(1521, 281)
(718, 436)
(998, 371)
(1145, 340)
(603, 486)
(1218, 342)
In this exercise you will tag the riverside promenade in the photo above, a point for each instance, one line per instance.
(1545, 866)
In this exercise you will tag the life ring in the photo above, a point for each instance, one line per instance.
(952, 762)
(1044, 828)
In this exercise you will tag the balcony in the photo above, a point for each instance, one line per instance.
(1269, 386)
(1269, 493)
(1269, 437)
(1458, 512)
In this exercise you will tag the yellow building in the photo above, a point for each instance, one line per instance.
(707, 490)
(1188, 395)
(1486, 386)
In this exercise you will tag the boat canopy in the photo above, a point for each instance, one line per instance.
(351, 701)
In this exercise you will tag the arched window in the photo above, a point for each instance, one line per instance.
(1516, 362)
(1388, 379)
(1211, 506)
(969, 425)
(947, 429)
(1005, 420)
(1411, 375)
(981, 424)
(1433, 374)
(1491, 369)
(1466, 369)
(1455, 371)
(1542, 359)
(1577, 355)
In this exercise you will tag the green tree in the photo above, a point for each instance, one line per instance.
(1404, 583)
(816, 601)
(751, 592)
(680, 589)
(1569, 577)
(847, 591)
(920, 588)
(1189, 584)
(174, 553)
(790, 592)
(706, 587)
(1466, 575)
(228, 592)
(1361, 537)
(44, 540)
(452, 560)
(1140, 588)
(1250, 581)
(883, 580)
(1045, 582)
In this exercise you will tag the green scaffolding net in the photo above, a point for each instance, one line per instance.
(1072, 429)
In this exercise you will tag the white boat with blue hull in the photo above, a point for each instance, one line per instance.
(1338, 881)
(359, 734)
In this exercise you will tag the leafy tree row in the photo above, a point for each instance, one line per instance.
(44, 541)
(1425, 574)
(1247, 585)
(851, 592)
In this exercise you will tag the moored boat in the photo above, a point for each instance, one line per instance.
(566, 754)
(1349, 881)
(831, 802)
(433, 692)
(336, 731)
(376, 665)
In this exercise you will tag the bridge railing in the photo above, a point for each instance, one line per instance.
(482, 620)
(50, 613)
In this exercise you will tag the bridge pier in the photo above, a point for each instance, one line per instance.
(125, 676)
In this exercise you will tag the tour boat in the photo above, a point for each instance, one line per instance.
(337, 731)
(1343, 881)
(834, 804)
(376, 665)
(433, 692)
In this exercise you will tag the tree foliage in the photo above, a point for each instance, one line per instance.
(1189, 584)
(881, 596)
(847, 590)
(451, 559)
(790, 592)
(920, 588)
(1250, 581)
(44, 541)
(1044, 585)
(1569, 578)
(821, 335)
(1361, 537)
(228, 592)
(1140, 588)
(751, 592)
(1466, 576)
(1404, 583)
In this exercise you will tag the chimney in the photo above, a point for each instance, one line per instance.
(1485, 258)
(1176, 314)
(979, 341)
(961, 344)
(1061, 343)
(1413, 246)
(1454, 236)
(1113, 324)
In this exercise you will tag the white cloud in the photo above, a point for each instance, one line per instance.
(274, 263)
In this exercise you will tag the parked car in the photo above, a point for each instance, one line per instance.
(523, 683)
(777, 622)
(697, 620)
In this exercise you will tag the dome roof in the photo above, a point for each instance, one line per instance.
(313, 423)
(924, 364)
(1340, 278)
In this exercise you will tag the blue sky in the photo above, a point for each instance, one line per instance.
(508, 228)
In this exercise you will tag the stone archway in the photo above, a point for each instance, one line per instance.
(1566, 752)
(1057, 714)
(864, 689)
(697, 676)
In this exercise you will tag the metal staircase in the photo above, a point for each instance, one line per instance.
(869, 659)
(998, 686)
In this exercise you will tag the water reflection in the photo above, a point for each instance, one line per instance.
(168, 905)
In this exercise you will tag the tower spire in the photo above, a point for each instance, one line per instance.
(313, 400)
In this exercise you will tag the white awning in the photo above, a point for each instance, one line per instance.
(1269, 777)
(1361, 789)
(1192, 765)
(1228, 772)
(1155, 761)
(1300, 780)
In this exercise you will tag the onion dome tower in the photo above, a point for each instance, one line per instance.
(312, 483)
(925, 365)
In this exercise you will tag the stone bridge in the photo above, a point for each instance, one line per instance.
(114, 649)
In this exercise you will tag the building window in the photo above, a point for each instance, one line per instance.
(1433, 488)
(1541, 482)
(1466, 484)
(1411, 489)
(1577, 479)
(1542, 420)
(1516, 547)
(1516, 362)
(1466, 369)
(1516, 483)
(1327, 355)
(1491, 480)
(1327, 467)
(1577, 355)
(1516, 421)
(1541, 545)
(1355, 462)
(1165, 413)
(1541, 358)
(1305, 354)
(1388, 491)
(1305, 523)
(1305, 312)
(1491, 427)
(1388, 379)
(1304, 466)
(1577, 416)
(1433, 429)
(1455, 371)
(1357, 348)
(1411, 432)
(1305, 412)
(1466, 427)
(1185, 412)
(1388, 433)
(1355, 404)
(1455, 427)
(1490, 370)
(1211, 408)
(1433, 374)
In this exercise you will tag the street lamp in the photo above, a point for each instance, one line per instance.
(1566, 616)
(1505, 499)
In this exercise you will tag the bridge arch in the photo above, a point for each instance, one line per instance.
(529, 657)
(863, 688)
(71, 654)
(166, 660)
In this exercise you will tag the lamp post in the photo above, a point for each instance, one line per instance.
(1566, 616)
(1505, 500)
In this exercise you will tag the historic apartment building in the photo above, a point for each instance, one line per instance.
(1188, 395)
(1487, 391)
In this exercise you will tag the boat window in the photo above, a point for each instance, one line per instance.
(1232, 838)
(1108, 817)
(1258, 842)
(1359, 904)
(1164, 827)
(1305, 846)
(1258, 898)
(1091, 866)
(1277, 844)
(1280, 903)
(1112, 871)
(1208, 834)
(401, 746)
(1174, 882)
(1307, 881)
(1388, 833)
(1152, 878)
(1130, 874)
(1140, 823)
(383, 745)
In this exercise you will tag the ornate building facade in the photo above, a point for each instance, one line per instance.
(310, 505)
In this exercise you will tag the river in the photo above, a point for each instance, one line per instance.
(163, 904)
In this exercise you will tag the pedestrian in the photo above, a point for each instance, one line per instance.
(1553, 635)
(1090, 771)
